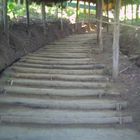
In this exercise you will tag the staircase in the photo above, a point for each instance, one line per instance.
(60, 85)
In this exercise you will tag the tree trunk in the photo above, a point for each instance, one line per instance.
(116, 35)
(43, 16)
(99, 24)
(19, 2)
(27, 14)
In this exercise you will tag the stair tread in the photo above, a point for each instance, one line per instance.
(63, 103)
(45, 116)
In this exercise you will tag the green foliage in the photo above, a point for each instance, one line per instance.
(15, 10)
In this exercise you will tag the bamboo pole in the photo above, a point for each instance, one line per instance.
(116, 35)
(43, 17)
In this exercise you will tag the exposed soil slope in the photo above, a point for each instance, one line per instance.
(22, 42)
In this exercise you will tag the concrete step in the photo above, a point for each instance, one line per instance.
(63, 117)
(54, 83)
(29, 91)
(87, 67)
(56, 71)
(74, 104)
(85, 78)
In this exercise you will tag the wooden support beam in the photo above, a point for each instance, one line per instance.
(1, 14)
(99, 24)
(116, 35)
(27, 14)
(77, 15)
(89, 14)
(84, 11)
(5, 18)
(43, 16)
(107, 15)
(62, 16)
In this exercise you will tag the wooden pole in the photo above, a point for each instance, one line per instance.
(137, 11)
(5, 18)
(77, 15)
(1, 14)
(107, 15)
(125, 10)
(116, 35)
(27, 14)
(84, 11)
(132, 11)
(62, 16)
(99, 24)
(89, 14)
(43, 16)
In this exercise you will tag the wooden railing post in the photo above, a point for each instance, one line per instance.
(99, 24)
(43, 17)
(5, 18)
(116, 35)
(27, 14)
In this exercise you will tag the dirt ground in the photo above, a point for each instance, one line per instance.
(128, 83)
(22, 42)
